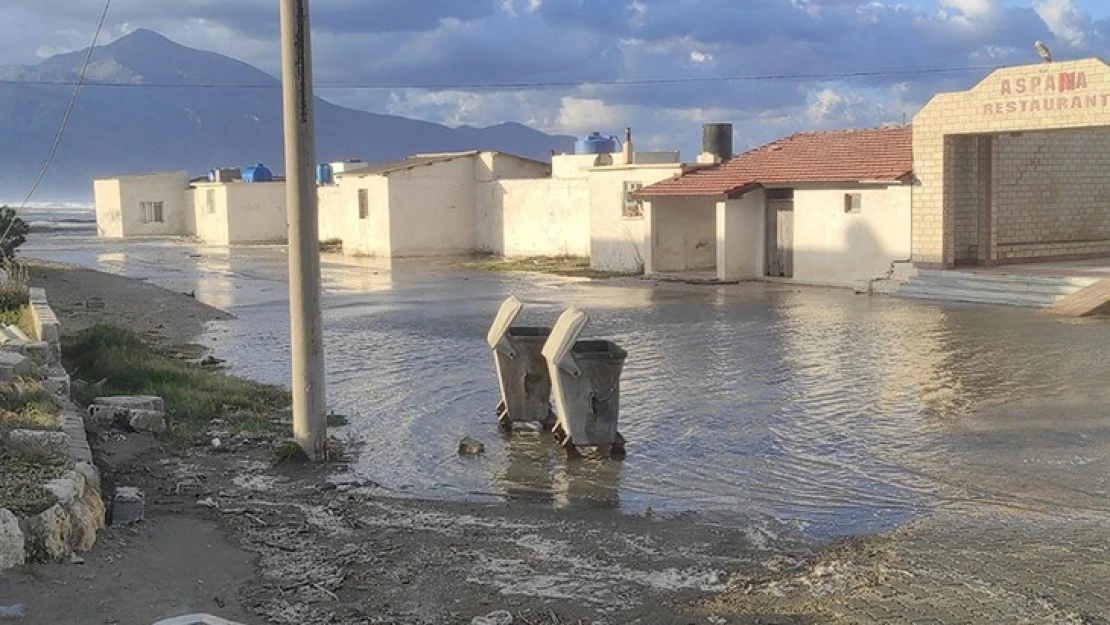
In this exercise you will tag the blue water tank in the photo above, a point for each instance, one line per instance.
(596, 143)
(323, 174)
(258, 173)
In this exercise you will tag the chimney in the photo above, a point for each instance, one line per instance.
(716, 143)
(626, 149)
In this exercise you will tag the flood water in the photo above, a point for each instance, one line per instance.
(839, 413)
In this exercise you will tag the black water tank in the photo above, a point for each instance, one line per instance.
(716, 139)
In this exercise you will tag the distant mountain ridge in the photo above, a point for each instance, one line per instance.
(117, 130)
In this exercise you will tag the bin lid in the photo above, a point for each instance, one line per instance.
(563, 336)
(507, 314)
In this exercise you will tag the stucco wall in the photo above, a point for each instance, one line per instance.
(256, 212)
(432, 209)
(370, 236)
(1047, 96)
(684, 234)
(740, 233)
(118, 204)
(333, 218)
(539, 217)
(1051, 195)
(499, 166)
(211, 222)
(837, 248)
(617, 243)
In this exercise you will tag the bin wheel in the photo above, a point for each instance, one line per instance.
(572, 450)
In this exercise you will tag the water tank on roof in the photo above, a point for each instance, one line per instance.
(596, 143)
(323, 174)
(258, 173)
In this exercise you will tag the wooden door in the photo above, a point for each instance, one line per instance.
(780, 238)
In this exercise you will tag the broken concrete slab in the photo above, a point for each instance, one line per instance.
(128, 505)
(13, 365)
(139, 402)
(147, 421)
(38, 442)
(37, 351)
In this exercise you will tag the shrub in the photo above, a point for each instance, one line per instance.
(15, 286)
(13, 230)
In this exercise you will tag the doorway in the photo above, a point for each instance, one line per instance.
(780, 233)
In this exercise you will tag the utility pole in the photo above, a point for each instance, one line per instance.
(305, 328)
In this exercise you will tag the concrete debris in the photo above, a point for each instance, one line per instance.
(191, 487)
(34, 441)
(13, 365)
(12, 550)
(471, 447)
(139, 402)
(11, 612)
(500, 617)
(128, 505)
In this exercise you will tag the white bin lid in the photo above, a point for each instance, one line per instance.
(510, 308)
(563, 336)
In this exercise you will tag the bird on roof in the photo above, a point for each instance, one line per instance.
(1043, 51)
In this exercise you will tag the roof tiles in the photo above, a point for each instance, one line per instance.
(880, 154)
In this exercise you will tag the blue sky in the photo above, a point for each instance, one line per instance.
(475, 42)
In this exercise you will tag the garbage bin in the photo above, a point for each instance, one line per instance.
(585, 377)
(522, 372)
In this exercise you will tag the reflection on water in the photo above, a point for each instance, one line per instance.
(839, 412)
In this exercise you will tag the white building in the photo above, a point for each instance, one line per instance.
(141, 205)
(233, 213)
(819, 208)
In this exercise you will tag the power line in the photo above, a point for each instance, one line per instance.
(65, 117)
(631, 82)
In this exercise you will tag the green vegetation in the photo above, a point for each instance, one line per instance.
(22, 476)
(336, 420)
(194, 395)
(15, 292)
(13, 232)
(570, 266)
(331, 245)
(20, 318)
(27, 405)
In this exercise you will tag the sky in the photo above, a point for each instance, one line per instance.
(586, 45)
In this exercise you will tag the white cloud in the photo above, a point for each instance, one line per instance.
(1065, 20)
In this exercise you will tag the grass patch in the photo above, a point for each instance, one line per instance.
(331, 245)
(337, 420)
(570, 266)
(20, 318)
(15, 291)
(27, 405)
(21, 481)
(194, 395)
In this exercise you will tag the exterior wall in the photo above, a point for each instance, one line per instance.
(499, 166)
(839, 249)
(432, 209)
(740, 234)
(211, 221)
(618, 243)
(541, 217)
(109, 208)
(683, 234)
(333, 214)
(118, 210)
(256, 212)
(370, 236)
(1051, 195)
(579, 165)
(1047, 96)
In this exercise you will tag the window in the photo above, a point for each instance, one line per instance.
(151, 212)
(853, 203)
(210, 201)
(363, 203)
(633, 206)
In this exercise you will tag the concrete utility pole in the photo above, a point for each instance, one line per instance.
(306, 332)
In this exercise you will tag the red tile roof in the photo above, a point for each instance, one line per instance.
(884, 154)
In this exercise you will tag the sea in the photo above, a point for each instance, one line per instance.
(58, 216)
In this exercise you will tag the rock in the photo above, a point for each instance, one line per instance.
(211, 361)
(34, 441)
(11, 612)
(127, 505)
(191, 487)
(140, 402)
(47, 535)
(13, 553)
(87, 516)
(76, 559)
(471, 447)
(94, 303)
(68, 488)
(109, 416)
(500, 617)
(147, 421)
(13, 365)
(92, 476)
(209, 503)
(37, 351)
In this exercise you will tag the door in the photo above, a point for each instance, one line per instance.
(780, 233)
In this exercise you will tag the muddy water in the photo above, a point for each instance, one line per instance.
(835, 412)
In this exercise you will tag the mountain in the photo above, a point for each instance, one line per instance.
(154, 124)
